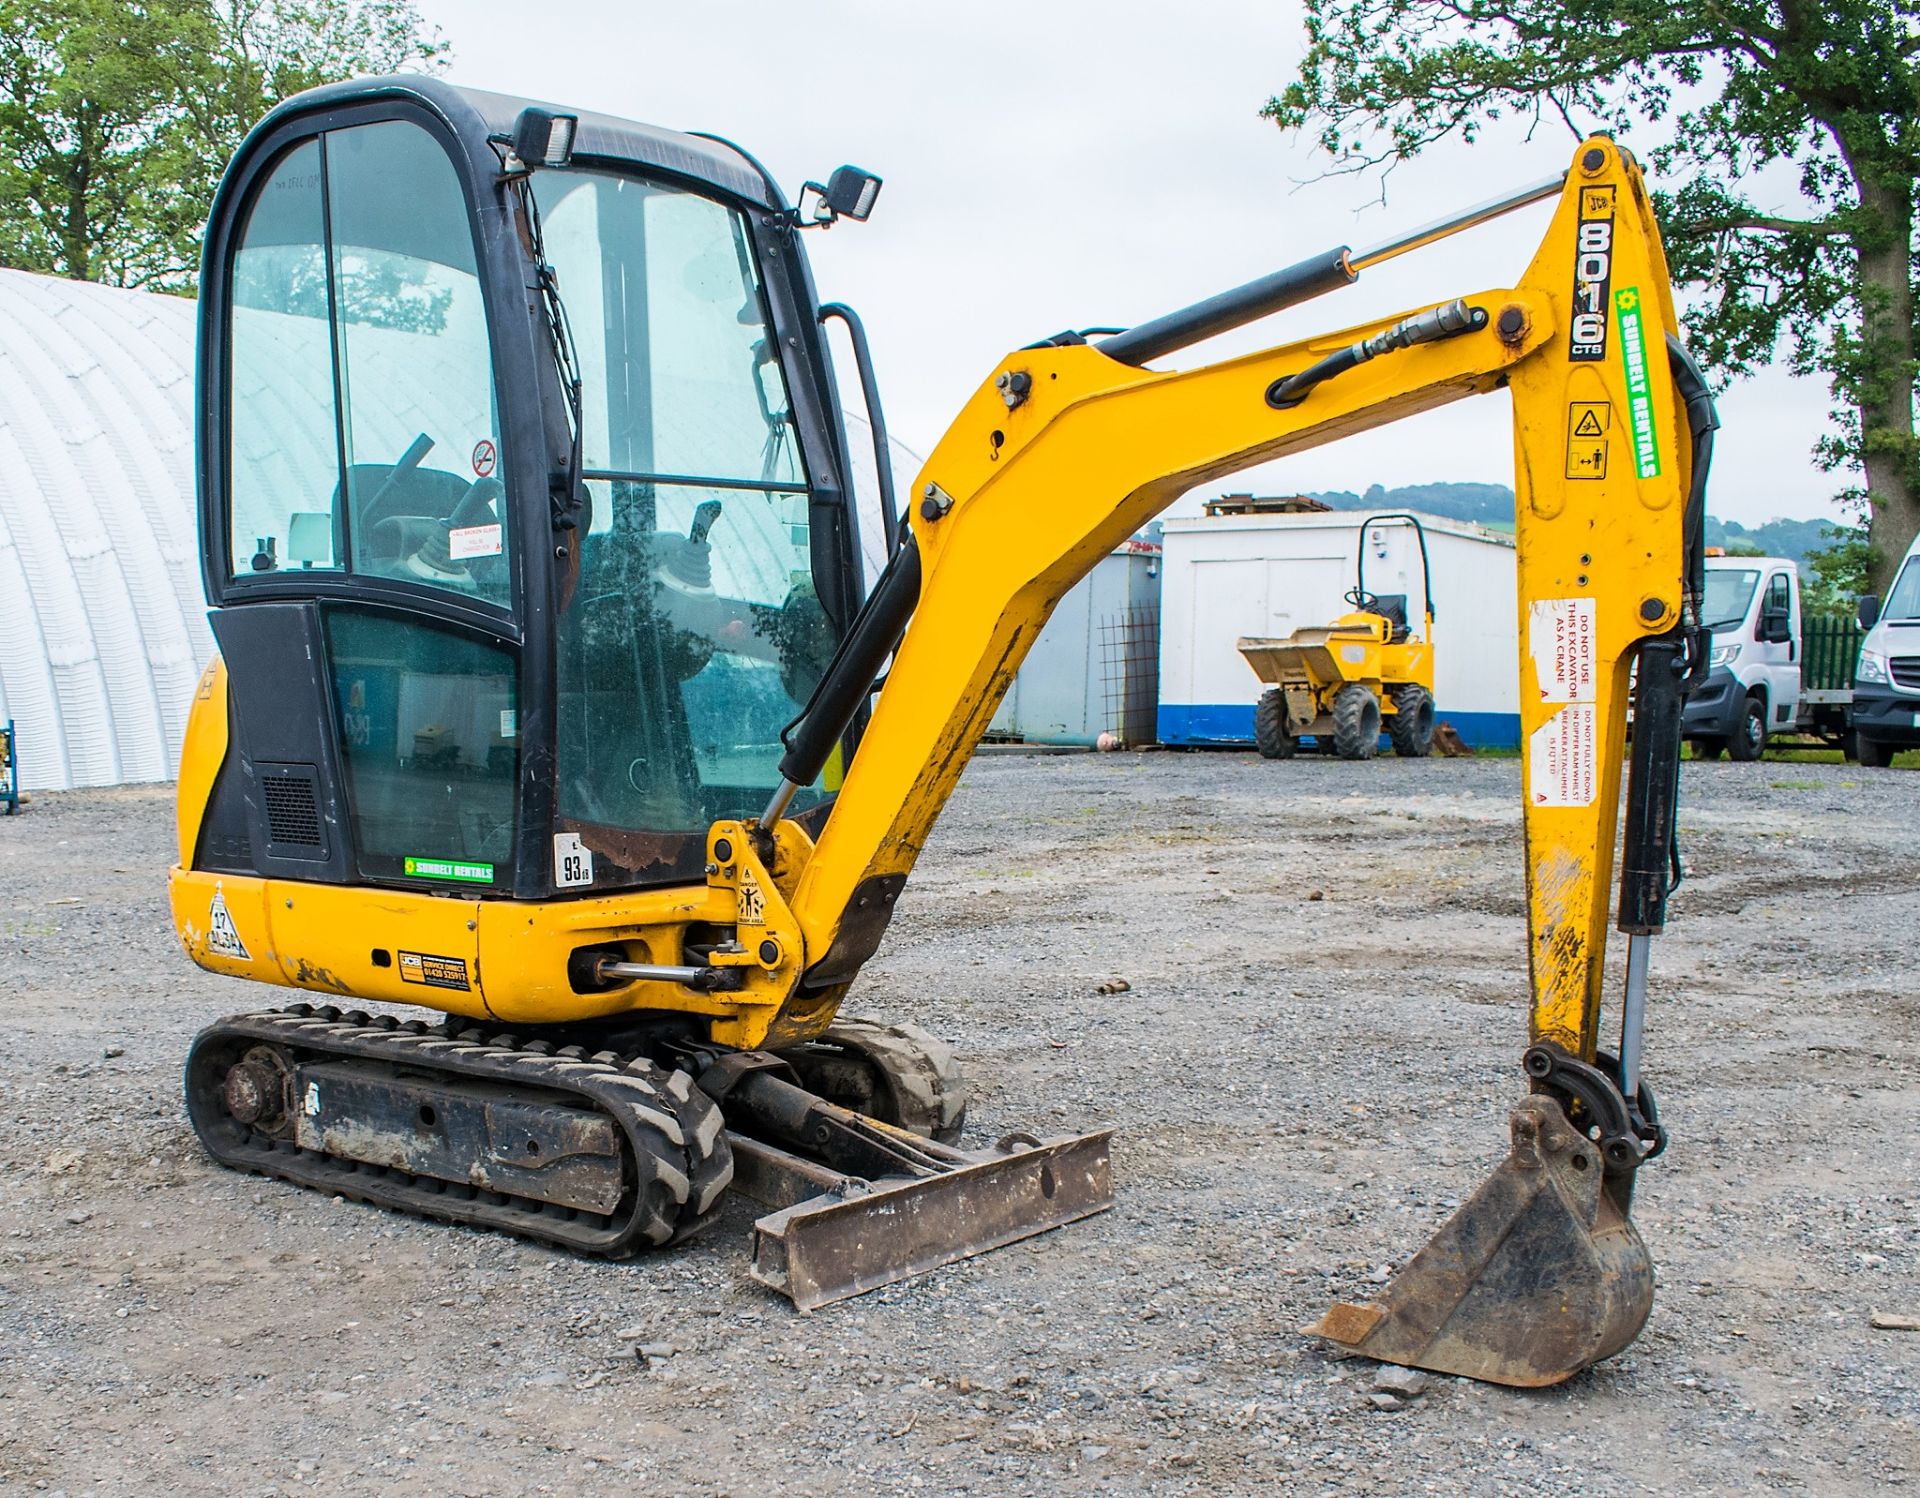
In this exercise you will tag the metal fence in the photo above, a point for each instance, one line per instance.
(1130, 674)
(1829, 649)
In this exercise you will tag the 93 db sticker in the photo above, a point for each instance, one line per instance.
(433, 972)
(572, 861)
(1592, 276)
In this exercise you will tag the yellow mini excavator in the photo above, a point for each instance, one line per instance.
(550, 699)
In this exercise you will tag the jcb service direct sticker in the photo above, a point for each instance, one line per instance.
(434, 972)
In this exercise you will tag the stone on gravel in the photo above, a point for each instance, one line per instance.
(1407, 1383)
(1387, 1402)
(1880, 1321)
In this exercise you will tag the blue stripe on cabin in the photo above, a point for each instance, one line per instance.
(1229, 725)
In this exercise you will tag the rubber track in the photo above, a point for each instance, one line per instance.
(677, 1157)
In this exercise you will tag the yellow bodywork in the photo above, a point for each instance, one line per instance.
(1038, 495)
(1311, 665)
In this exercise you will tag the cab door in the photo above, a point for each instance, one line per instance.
(362, 543)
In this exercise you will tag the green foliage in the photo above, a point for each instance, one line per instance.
(1840, 572)
(118, 116)
(1751, 102)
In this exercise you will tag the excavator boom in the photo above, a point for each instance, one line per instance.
(1070, 450)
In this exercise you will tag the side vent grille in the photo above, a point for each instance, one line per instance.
(290, 796)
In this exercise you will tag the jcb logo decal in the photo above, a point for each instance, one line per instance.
(1592, 276)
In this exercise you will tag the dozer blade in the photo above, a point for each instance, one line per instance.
(859, 1235)
(1540, 1274)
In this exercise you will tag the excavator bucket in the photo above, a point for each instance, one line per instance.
(1538, 1275)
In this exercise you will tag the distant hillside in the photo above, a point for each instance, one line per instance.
(1777, 538)
(1492, 505)
(1487, 504)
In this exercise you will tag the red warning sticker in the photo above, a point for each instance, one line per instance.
(1563, 757)
(484, 457)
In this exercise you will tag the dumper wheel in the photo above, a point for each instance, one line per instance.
(1412, 727)
(1356, 722)
(1270, 726)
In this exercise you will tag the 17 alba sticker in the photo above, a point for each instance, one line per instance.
(222, 935)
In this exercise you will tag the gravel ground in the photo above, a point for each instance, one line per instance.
(1304, 1088)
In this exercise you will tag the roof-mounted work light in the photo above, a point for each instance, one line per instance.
(543, 138)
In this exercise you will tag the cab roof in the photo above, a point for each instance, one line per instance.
(600, 139)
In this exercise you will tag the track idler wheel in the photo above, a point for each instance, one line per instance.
(897, 1073)
(1540, 1274)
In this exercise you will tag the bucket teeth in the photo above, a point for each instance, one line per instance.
(1540, 1274)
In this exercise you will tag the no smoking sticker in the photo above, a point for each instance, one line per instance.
(484, 458)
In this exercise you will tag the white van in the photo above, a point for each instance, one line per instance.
(1752, 605)
(1886, 681)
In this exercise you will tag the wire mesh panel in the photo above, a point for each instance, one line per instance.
(1130, 674)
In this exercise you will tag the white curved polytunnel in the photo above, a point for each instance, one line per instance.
(103, 624)
(103, 631)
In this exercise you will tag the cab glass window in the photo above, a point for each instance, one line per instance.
(284, 459)
(358, 341)
(693, 633)
(1727, 596)
(429, 735)
(1903, 601)
(424, 503)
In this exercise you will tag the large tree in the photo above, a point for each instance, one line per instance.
(118, 116)
(1788, 130)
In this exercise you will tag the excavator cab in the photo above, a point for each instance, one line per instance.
(528, 527)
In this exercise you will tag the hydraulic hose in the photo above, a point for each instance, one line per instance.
(1670, 667)
(849, 676)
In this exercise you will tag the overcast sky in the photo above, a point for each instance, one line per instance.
(1065, 163)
